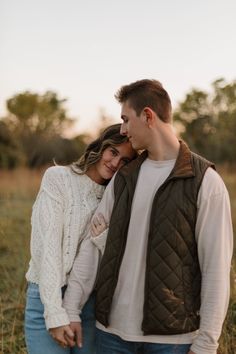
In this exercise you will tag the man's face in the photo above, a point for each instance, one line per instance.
(133, 126)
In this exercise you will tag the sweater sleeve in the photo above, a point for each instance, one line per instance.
(84, 272)
(47, 223)
(214, 236)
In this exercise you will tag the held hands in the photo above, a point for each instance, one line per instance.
(77, 330)
(68, 335)
(98, 225)
(63, 335)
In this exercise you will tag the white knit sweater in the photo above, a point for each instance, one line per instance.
(61, 216)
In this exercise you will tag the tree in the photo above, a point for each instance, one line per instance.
(10, 155)
(37, 123)
(39, 114)
(209, 121)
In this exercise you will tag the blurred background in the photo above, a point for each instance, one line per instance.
(61, 63)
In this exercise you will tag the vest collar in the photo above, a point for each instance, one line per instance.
(183, 166)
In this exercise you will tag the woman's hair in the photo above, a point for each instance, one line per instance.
(109, 137)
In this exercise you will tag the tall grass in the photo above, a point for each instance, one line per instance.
(17, 193)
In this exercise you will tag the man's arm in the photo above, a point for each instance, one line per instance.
(214, 236)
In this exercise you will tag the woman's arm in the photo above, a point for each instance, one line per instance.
(47, 226)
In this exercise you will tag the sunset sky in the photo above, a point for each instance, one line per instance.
(85, 50)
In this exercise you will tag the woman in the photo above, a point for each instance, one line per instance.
(67, 198)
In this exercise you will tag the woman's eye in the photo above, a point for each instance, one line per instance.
(113, 152)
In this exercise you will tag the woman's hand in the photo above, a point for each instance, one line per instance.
(98, 225)
(63, 335)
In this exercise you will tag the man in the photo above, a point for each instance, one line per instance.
(163, 283)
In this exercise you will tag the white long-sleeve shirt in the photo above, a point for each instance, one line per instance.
(61, 216)
(214, 237)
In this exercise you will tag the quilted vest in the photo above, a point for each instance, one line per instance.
(173, 277)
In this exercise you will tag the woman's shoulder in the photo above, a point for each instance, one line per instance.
(57, 171)
(56, 177)
(57, 182)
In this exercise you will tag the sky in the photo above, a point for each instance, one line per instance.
(86, 49)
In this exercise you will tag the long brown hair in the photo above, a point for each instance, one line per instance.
(109, 137)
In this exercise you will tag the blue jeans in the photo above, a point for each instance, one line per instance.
(111, 344)
(38, 339)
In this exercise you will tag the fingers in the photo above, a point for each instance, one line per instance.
(70, 341)
(77, 329)
(94, 230)
(59, 338)
(63, 336)
(79, 336)
(68, 331)
(69, 336)
(98, 225)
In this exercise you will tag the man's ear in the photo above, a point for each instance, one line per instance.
(149, 116)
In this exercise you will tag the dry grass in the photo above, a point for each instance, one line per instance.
(17, 193)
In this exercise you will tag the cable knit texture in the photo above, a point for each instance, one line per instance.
(60, 219)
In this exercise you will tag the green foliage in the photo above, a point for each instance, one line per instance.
(10, 156)
(40, 114)
(41, 150)
(31, 133)
(208, 121)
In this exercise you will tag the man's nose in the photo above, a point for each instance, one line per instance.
(123, 130)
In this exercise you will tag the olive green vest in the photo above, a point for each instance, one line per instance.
(173, 278)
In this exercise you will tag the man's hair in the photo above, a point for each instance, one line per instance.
(146, 93)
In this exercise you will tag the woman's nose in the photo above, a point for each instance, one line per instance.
(115, 161)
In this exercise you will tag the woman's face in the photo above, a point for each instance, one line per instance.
(113, 158)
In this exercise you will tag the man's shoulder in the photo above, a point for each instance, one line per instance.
(202, 160)
(212, 183)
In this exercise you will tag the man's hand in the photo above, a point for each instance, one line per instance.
(63, 335)
(98, 225)
(77, 330)
(190, 352)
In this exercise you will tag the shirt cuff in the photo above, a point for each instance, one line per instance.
(201, 346)
(57, 320)
(100, 241)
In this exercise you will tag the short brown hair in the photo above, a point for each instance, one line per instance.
(146, 93)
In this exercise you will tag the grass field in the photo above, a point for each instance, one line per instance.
(17, 193)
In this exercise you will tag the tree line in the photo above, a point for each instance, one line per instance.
(31, 134)
(207, 121)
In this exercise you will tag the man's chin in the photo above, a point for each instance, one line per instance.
(134, 146)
